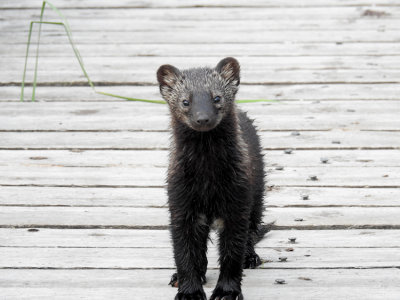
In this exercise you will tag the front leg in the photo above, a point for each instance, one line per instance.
(232, 247)
(189, 237)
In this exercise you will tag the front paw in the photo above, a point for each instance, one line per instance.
(220, 294)
(199, 295)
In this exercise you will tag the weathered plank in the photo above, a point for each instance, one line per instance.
(336, 176)
(156, 197)
(125, 140)
(125, 4)
(304, 115)
(141, 258)
(216, 50)
(331, 197)
(320, 92)
(158, 158)
(67, 196)
(327, 176)
(304, 76)
(122, 238)
(138, 217)
(117, 109)
(148, 65)
(314, 284)
(115, 24)
(256, 70)
(311, 51)
(353, 108)
(218, 36)
(206, 13)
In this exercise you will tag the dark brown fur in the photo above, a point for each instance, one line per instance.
(216, 172)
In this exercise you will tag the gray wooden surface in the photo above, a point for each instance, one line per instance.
(83, 209)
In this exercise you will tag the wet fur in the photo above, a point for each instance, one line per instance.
(213, 175)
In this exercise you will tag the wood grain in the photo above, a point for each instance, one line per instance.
(134, 238)
(88, 171)
(296, 115)
(156, 197)
(145, 217)
(302, 284)
(126, 140)
(80, 91)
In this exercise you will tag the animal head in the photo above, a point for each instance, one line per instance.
(200, 97)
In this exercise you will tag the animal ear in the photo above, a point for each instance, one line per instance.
(229, 69)
(167, 76)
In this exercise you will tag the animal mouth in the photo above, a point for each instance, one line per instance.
(202, 123)
(203, 127)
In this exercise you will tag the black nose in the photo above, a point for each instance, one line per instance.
(202, 120)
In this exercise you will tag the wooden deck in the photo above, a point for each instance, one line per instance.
(83, 208)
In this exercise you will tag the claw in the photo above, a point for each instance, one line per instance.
(203, 279)
(199, 295)
(220, 294)
(252, 261)
(174, 280)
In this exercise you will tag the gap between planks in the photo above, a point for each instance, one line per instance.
(351, 284)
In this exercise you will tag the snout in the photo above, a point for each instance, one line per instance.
(202, 119)
(203, 114)
(203, 122)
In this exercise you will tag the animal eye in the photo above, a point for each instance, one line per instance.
(217, 99)
(185, 103)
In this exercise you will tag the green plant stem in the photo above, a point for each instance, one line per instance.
(78, 56)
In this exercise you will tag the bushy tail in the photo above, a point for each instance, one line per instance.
(262, 230)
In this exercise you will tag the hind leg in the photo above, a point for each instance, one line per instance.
(252, 260)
